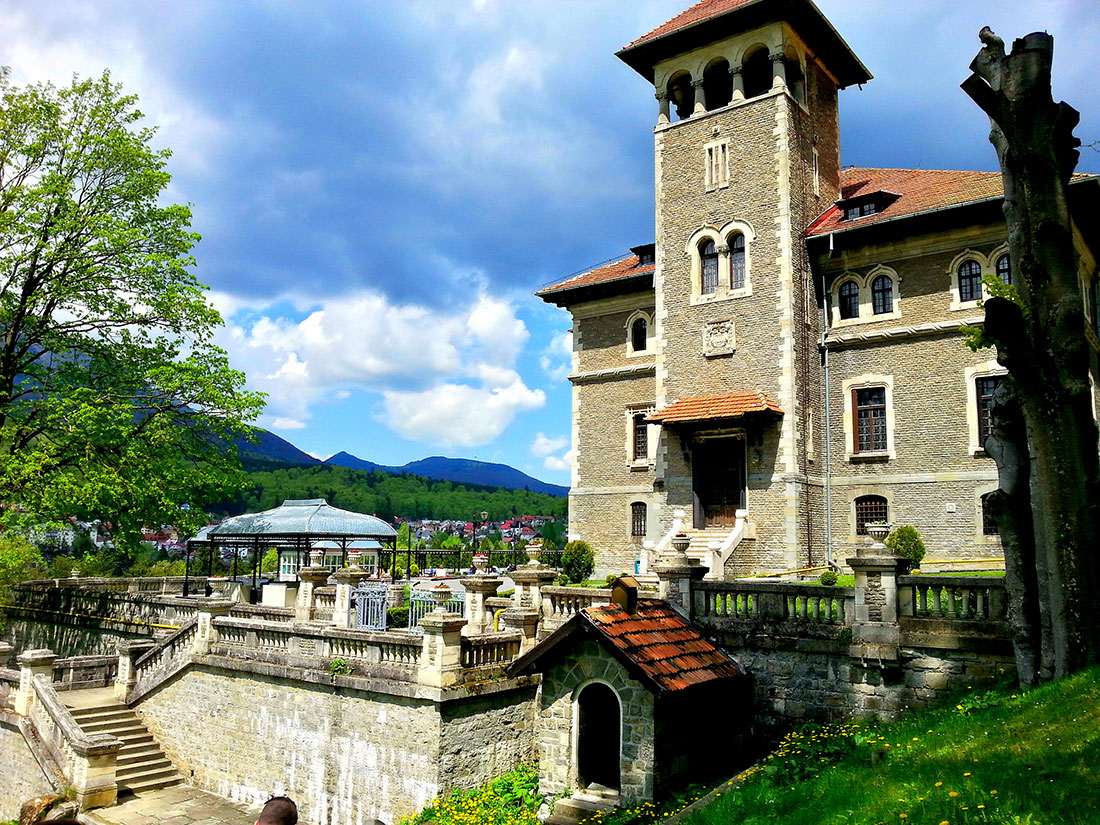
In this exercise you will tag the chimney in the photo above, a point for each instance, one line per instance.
(624, 593)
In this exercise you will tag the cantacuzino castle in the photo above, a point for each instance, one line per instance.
(787, 363)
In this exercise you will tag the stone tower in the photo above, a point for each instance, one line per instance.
(746, 156)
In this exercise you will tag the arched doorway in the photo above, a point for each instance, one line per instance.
(599, 729)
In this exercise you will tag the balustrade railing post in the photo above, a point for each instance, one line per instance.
(479, 587)
(876, 632)
(530, 578)
(32, 663)
(129, 651)
(526, 621)
(207, 634)
(441, 659)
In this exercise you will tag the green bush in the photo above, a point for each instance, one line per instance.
(414, 570)
(397, 617)
(397, 573)
(577, 561)
(340, 667)
(906, 542)
(828, 578)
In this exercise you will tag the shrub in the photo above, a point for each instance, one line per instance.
(397, 573)
(340, 667)
(414, 570)
(578, 561)
(828, 578)
(610, 577)
(397, 617)
(906, 542)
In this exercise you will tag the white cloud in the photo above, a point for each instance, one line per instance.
(564, 463)
(550, 361)
(543, 445)
(517, 70)
(287, 424)
(458, 415)
(320, 456)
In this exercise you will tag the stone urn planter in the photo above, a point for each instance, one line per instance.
(680, 543)
(441, 592)
(481, 561)
(878, 531)
(534, 550)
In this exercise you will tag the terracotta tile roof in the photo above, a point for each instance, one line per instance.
(710, 407)
(627, 267)
(701, 11)
(662, 644)
(918, 190)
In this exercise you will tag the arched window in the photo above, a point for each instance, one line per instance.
(681, 94)
(638, 335)
(870, 509)
(796, 80)
(970, 281)
(717, 84)
(849, 300)
(737, 261)
(708, 254)
(637, 519)
(757, 73)
(882, 294)
(1004, 269)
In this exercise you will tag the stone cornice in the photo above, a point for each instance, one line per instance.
(613, 373)
(853, 337)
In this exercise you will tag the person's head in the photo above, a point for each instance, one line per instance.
(279, 810)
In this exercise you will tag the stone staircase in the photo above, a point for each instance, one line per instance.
(583, 805)
(141, 765)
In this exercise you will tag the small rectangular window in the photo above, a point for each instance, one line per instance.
(637, 519)
(985, 387)
(989, 524)
(869, 407)
(717, 172)
(641, 438)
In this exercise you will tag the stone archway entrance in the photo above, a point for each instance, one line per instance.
(599, 731)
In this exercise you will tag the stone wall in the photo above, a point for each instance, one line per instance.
(22, 778)
(587, 662)
(64, 639)
(346, 755)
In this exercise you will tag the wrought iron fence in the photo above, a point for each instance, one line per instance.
(369, 602)
(422, 602)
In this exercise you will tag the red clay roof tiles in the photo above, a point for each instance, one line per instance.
(710, 407)
(701, 11)
(627, 267)
(643, 637)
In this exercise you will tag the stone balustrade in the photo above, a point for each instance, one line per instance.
(86, 761)
(773, 602)
(965, 598)
(262, 611)
(78, 672)
(491, 649)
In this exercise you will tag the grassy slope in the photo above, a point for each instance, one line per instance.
(1030, 757)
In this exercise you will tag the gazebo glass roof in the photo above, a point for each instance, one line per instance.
(297, 520)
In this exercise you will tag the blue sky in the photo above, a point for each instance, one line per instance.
(382, 186)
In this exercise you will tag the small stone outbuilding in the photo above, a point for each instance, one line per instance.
(635, 699)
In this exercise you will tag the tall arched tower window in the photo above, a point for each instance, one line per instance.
(882, 295)
(737, 261)
(970, 281)
(849, 300)
(757, 71)
(1004, 269)
(717, 84)
(708, 255)
(638, 333)
(681, 94)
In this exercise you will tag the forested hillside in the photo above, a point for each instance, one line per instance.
(385, 495)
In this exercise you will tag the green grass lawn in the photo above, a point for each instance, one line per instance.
(995, 756)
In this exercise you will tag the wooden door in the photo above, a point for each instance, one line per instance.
(719, 479)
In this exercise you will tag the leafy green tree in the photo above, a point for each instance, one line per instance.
(270, 562)
(578, 561)
(19, 560)
(113, 399)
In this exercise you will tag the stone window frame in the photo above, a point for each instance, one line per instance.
(981, 538)
(650, 334)
(575, 724)
(987, 369)
(721, 238)
(861, 491)
(652, 435)
(866, 300)
(864, 382)
(634, 536)
(716, 165)
(987, 264)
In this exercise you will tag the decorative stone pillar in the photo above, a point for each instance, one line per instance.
(526, 621)
(311, 578)
(530, 579)
(94, 765)
(663, 114)
(441, 654)
(32, 663)
(779, 71)
(479, 588)
(6, 651)
(209, 609)
(876, 632)
(738, 83)
(129, 651)
(345, 581)
(676, 574)
(700, 96)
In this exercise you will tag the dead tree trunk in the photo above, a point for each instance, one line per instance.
(1041, 341)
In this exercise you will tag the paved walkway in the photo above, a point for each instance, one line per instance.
(178, 805)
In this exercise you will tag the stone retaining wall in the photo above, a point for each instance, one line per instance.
(22, 778)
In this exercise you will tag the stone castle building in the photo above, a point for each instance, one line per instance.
(788, 361)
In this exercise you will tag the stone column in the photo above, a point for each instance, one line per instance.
(441, 655)
(779, 71)
(738, 83)
(479, 587)
(129, 651)
(663, 114)
(32, 663)
(676, 574)
(700, 96)
(345, 582)
(94, 765)
(311, 578)
(875, 629)
(526, 621)
(209, 609)
(530, 579)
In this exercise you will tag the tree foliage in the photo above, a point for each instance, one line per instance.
(19, 560)
(113, 399)
(577, 561)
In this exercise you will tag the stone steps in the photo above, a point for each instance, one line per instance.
(141, 765)
(582, 806)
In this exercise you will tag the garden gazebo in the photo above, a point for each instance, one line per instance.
(296, 526)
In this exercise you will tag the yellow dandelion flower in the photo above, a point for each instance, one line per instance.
(953, 793)
(938, 784)
(967, 773)
(993, 792)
